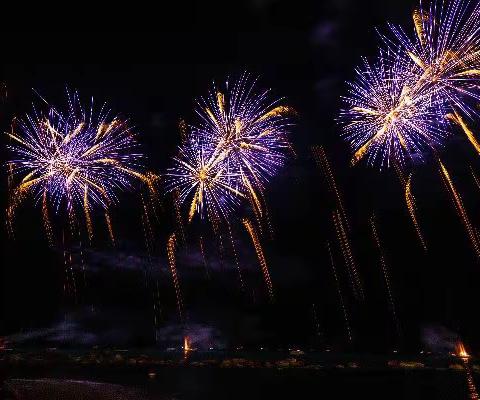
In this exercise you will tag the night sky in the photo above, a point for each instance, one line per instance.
(305, 52)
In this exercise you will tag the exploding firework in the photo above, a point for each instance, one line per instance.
(397, 107)
(214, 189)
(445, 50)
(239, 143)
(73, 159)
(389, 116)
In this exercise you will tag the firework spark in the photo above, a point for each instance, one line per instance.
(386, 275)
(204, 257)
(457, 118)
(340, 295)
(412, 210)
(457, 200)
(324, 164)
(178, 215)
(261, 257)
(73, 159)
(171, 244)
(46, 219)
(347, 254)
(108, 221)
(461, 352)
(411, 204)
(475, 177)
(235, 256)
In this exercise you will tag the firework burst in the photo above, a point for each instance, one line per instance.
(445, 49)
(76, 159)
(214, 189)
(389, 116)
(402, 105)
(238, 144)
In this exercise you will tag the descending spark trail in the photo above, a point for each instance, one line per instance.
(171, 260)
(457, 200)
(347, 255)
(204, 258)
(472, 389)
(410, 200)
(411, 204)
(316, 322)
(386, 276)
(46, 219)
(151, 283)
(10, 209)
(178, 215)
(464, 356)
(340, 295)
(108, 221)
(400, 174)
(88, 218)
(323, 163)
(147, 226)
(475, 177)
(235, 256)
(182, 127)
(455, 117)
(261, 257)
(340, 219)
(69, 284)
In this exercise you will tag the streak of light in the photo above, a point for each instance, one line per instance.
(456, 117)
(204, 257)
(412, 208)
(171, 244)
(46, 219)
(324, 164)
(348, 255)
(235, 256)
(465, 357)
(88, 217)
(178, 215)
(457, 200)
(385, 272)
(260, 255)
(340, 295)
(108, 220)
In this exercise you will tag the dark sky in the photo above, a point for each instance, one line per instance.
(304, 51)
